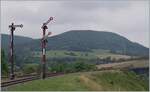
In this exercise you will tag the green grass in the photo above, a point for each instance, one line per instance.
(62, 54)
(130, 63)
(112, 80)
(116, 56)
(66, 82)
(79, 54)
(123, 81)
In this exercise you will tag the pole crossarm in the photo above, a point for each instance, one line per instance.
(10, 26)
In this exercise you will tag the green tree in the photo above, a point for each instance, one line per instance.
(58, 67)
(4, 65)
(30, 68)
(71, 67)
(83, 66)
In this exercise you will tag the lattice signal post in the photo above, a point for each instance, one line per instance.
(44, 41)
(11, 57)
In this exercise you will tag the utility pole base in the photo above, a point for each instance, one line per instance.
(43, 71)
(43, 76)
(12, 76)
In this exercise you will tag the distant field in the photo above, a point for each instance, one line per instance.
(109, 80)
(94, 54)
(63, 53)
(116, 56)
(132, 64)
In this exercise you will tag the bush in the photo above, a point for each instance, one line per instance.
(71, 67)
(30, 68)
(4, 65)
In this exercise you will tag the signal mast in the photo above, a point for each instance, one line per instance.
(44, 41)
(11, 57)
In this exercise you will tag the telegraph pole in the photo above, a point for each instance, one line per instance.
(44, 41)
(11, 58)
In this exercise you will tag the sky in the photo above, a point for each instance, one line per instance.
(129, 18)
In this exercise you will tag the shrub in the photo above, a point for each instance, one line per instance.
(30, 68)
(4, 65)
(71, 67)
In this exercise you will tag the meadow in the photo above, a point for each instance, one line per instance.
(108, 80)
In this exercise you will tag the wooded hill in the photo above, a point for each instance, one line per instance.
(80, 40)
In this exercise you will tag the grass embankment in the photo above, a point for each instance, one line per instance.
(65, 82)
(92, 81)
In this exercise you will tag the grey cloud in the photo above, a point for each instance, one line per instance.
(95, 4)
(127, 18)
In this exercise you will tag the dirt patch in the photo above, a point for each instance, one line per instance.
(90, 83)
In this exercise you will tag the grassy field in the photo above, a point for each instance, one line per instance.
(107, 53)
(94, 54)
(63, 53)
(133, 64)
(66, 82)
(88, 81)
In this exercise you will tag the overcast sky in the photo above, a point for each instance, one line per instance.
(127, 18)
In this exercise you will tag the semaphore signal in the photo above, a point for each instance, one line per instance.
(44, 40)
(11, 58)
